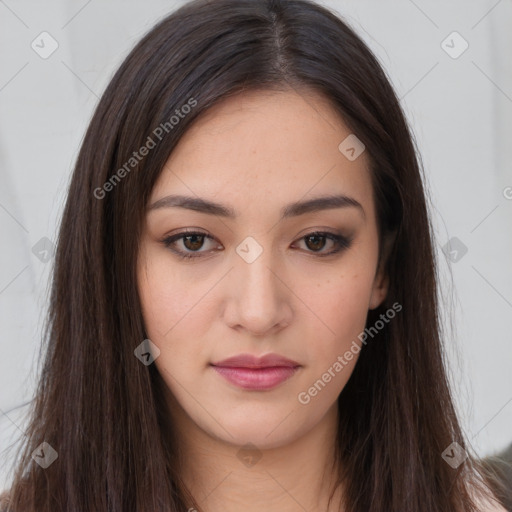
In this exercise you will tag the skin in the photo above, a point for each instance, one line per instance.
(256, 153)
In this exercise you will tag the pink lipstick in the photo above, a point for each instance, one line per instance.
(256, 373)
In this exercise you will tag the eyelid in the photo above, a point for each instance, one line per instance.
(341, 242)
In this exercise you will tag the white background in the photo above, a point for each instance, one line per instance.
(460, 111)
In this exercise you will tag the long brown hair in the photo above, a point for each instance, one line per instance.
(103, 411)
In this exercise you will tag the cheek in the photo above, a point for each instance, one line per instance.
(332, 348)
(163, 306)
(341, 303)
(349, 301)
(176, 316)
(167, 297)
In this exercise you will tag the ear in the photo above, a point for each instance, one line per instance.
(381, 281)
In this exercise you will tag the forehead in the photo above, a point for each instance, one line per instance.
(261, 147)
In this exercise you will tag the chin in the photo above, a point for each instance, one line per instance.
(265, 431)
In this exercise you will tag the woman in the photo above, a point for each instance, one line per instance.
(243, 309)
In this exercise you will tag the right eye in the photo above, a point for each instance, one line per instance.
(192, 241)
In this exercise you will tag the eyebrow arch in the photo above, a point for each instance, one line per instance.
(291, 210)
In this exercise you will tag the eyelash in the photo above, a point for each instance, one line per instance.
(341, 242)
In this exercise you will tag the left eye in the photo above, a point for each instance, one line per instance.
(316, 242)
(194, 240)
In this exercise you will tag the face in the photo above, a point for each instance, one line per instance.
(258, 274)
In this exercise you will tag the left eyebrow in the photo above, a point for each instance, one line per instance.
(291, 210)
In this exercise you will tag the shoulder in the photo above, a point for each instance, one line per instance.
(4, 501)
(492, 506)
(486, 504)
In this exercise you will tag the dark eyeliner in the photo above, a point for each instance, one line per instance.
(184, 255)
(342, 243)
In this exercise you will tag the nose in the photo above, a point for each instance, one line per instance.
(259, 297)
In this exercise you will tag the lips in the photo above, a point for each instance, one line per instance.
(250, 361)
(256, 373)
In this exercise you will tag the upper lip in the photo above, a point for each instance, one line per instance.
(250, 361)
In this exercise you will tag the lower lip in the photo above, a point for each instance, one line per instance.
(256, 378)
